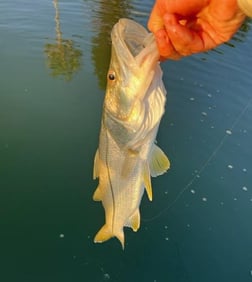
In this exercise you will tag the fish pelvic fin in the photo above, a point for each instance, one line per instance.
(147, 180)
(105, 233)
(158, 161)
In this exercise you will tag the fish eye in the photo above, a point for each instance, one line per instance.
(111, 75)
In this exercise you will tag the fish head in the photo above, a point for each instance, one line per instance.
(134, 58)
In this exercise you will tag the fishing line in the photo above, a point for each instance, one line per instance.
(209, 159)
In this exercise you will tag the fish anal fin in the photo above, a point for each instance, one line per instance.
(158, 161)
(105, 233)
(134, 221)
(147, 181)
(96, 165)
(97, 196)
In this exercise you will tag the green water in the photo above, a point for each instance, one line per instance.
(52, 77)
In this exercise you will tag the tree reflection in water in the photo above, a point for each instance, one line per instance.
(62, 57)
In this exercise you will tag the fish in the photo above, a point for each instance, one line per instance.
(127, 155)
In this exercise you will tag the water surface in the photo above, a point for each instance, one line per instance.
(54, 57)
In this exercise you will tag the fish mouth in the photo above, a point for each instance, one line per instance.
(134, 46)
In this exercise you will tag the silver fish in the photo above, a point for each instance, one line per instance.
(127, 155)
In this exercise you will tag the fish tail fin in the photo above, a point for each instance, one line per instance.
(134, 221)
(105, 233)
(120, 236)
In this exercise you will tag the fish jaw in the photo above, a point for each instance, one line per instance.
(134, 56)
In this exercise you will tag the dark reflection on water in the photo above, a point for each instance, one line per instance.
(106, 14)
(63, 58)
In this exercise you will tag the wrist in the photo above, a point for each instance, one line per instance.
(246, 7)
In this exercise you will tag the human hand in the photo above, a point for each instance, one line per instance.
(185, 27)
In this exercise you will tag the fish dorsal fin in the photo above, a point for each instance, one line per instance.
(97, 196)
(134, 221)
(96, 165)
(158, 161)
(147, 180)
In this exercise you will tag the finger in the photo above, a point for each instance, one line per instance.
(165, 47)
(155, 21)
(184, 40)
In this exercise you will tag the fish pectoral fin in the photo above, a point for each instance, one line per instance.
(97, 196)
(159, 163)
(96, 165)
(105, 233)
(134, 221)
(147, 180)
